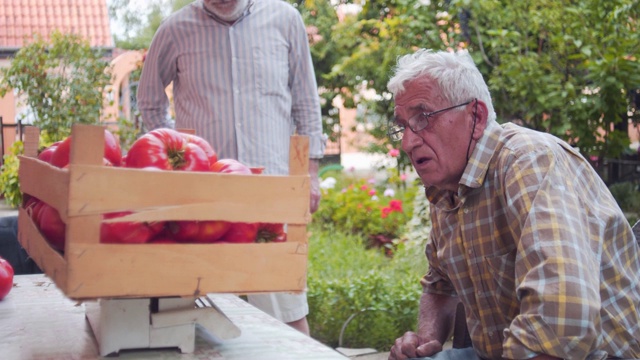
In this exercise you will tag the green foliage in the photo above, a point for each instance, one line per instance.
(360, 294)
(127, 133)
(62, 82)
(9, 183)
(557, 66)
(628, 198)
(376, 210)
(137, 34)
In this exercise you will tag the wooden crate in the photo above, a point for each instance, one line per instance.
(87, 190)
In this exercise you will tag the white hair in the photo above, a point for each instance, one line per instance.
(455, 73)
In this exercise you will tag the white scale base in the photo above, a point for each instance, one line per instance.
(150, 323)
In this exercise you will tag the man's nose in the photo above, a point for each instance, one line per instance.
(410, 140)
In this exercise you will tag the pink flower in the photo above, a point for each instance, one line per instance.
(364, 188)
(403, 176)
(395, 205)
(372, 192)
(385, 212)
(394, 152)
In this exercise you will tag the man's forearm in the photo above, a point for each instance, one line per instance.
(314, 166)
(437, 314)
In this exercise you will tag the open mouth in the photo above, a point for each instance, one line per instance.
(421, 160)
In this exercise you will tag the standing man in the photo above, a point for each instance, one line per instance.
(244, 81)
(525, 233)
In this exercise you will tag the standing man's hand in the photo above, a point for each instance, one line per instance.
(410, 345)
(315, 185)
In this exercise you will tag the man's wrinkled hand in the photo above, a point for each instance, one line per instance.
(410, 345)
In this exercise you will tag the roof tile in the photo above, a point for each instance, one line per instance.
(87, 18)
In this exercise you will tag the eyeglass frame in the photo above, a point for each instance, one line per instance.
(395, 131)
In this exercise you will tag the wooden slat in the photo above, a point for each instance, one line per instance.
(87, 144)
(48, 183)
(48, 259)
(148, 270)
(180, 195)
(87, 148)
(299, 165)
(31, 141)
(299, 155)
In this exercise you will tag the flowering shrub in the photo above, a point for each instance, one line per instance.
(377, 210)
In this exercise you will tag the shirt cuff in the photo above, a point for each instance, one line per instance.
(317, 146)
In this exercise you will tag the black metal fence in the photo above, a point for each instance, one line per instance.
(624, 169)
(18, 132)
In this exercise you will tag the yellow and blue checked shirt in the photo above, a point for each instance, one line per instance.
(537, 250)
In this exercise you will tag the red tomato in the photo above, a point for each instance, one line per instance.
(241, 233)
(112, 151)
(128, 232)
(230, 166)
(271, 232)
(46, 154)
(52, 226)
(198, 231)
(6, 278)
(166, 149)
(204, 145)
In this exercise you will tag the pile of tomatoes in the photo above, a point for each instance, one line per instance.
(158, 150)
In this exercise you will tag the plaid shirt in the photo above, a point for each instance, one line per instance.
(538, 251)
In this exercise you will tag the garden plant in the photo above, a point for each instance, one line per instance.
(364, 272)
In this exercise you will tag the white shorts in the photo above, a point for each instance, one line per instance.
(286, 307)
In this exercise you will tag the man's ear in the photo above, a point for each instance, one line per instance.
(479, 109)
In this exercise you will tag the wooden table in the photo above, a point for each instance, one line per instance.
(38, 322)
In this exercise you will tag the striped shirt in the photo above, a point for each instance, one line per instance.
(537, 250)
(245, 88)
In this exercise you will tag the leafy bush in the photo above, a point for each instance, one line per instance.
(9, 184)
(358, 297)
(375, 209)
(61, 80)
(628, 198)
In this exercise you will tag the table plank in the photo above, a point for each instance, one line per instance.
(38, 322)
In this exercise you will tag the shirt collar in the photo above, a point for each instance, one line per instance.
(245, 13)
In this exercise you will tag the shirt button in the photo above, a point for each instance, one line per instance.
(479, 293)
(490, 334)
(466, 210)
(470, 252)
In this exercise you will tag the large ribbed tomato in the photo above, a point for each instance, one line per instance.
(47, 153)
(230, 166)
(204, 145)
(52, 226)
(241, 232)
(167, 149)
(128, 232)
(207, 231)
(112, 151)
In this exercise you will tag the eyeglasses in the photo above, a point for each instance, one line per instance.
(416, 123)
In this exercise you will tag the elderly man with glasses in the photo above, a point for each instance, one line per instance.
(526, 236)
